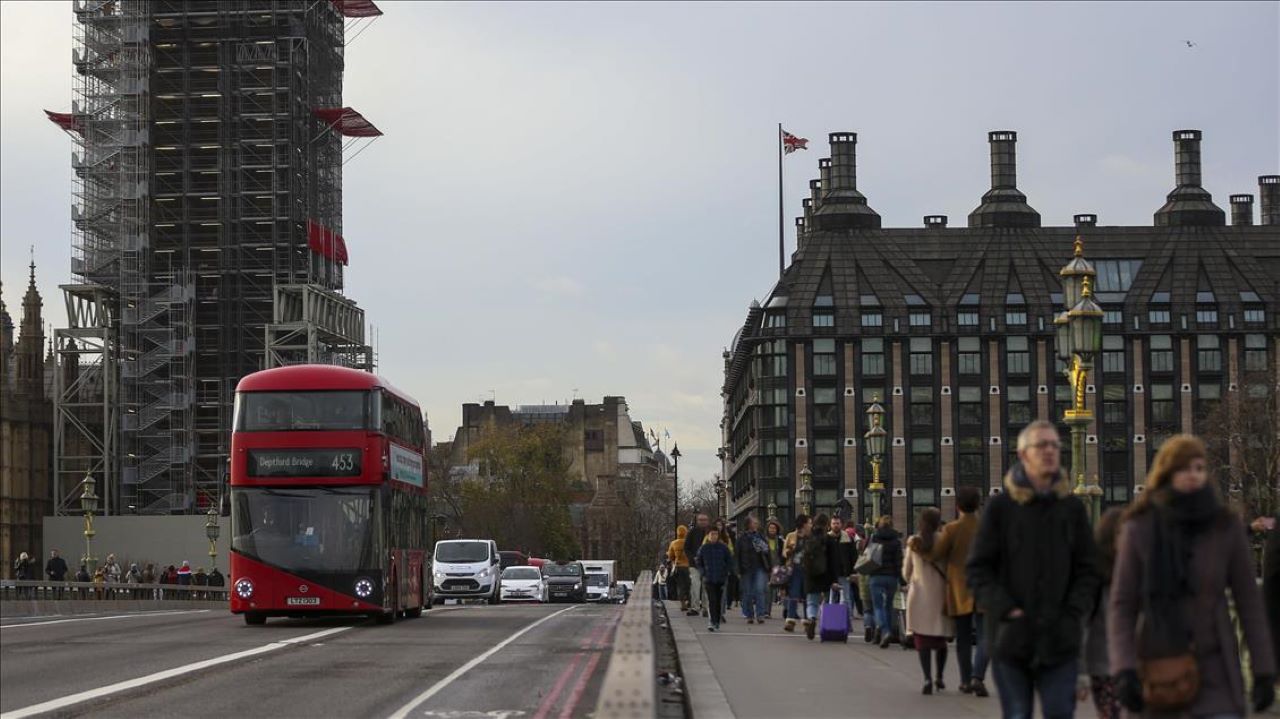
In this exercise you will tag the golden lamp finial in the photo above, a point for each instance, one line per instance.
(1079, 246)
(1087, 290)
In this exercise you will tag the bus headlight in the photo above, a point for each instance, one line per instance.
(364, 588)
(244, 588)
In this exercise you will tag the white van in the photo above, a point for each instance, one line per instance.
(466, 569)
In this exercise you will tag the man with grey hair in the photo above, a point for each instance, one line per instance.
(1034, 572)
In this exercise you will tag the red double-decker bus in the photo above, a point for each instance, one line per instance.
(328, 496)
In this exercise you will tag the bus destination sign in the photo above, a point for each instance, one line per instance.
(304, 463)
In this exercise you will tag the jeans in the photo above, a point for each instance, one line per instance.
(697, 595)
(1018, 686)
(847, 596)
(980, 656)
(715, 600)
(812, 603)
(795, 594)
(964, 646)
(883, 587)
(753, 588)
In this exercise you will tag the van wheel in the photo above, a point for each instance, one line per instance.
(254, 619)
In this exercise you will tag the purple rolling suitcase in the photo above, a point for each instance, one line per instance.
(833, 621)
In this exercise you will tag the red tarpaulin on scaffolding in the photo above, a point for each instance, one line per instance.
(347, 122)
(326, 242)
(67, 121)
(357, 8)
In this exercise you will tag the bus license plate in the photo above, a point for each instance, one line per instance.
(303, 601)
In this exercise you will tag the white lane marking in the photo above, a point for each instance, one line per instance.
(64, 702)
(111, 616)
(439, 686)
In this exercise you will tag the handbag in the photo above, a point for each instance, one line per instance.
(780, 576)
(1166, 654)
(871, 559)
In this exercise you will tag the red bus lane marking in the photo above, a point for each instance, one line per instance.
(575, 696)
(549, 701)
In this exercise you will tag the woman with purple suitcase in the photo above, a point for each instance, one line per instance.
(819, 571)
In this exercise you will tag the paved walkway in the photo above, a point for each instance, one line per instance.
(760, 671)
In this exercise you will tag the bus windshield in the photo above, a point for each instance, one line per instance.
(313, 529)
(301, 411)
(460, 552)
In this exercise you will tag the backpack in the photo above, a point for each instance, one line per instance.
(815, 558)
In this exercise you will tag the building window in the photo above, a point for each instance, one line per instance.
(824, 358)
(1255, 353)
(826, 413)
(775, 318)
(774, 409)
(1113, 354)
(1207, 317)
(1210, 395)
(824, 319)
(1019, 406)
(1114, 409)
(921, 319)
(969, 401)
(923, 461)
(873, 357)
(1116, 275)
(1208, 353)
(1163, 409)
(826, 460)
(593, 440)
(773, 358)
(922, 406)
(921, 355)
(1158, 316)
(970, 355)
(1063, 399)
(1017, 356)
(1255, 315)
(1112, 317)
(967, 318)
(1161, 353)
(872, 319)
(1015, 316)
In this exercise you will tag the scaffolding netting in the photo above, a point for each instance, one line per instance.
(347, 122)
(326, 242)
(67, 121)
(357, 8)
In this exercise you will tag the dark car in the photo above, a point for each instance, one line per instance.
(564, 582)
(512, 559)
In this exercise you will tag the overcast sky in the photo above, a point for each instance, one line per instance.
(583, 198)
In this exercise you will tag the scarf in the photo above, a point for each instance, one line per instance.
(1179, 520)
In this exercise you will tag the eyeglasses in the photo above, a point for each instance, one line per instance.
(1047, 444)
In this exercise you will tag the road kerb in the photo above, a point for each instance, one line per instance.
(706, 696)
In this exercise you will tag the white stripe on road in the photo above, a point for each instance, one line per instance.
(439, 686)
(64, 702)
(110, 616)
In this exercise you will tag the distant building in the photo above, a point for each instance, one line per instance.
(26, 426)
(951, 329)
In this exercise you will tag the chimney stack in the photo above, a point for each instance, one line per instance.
(824, 175)
(799, 233)
(1189, 204)
(842, 207)
(1269, 195)
(935, 222)
(1085, 220)
(815, 191)
(1004, 205)
(807, 204)
(1242, 210)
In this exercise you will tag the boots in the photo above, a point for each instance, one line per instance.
(789, 625)
(810, 628)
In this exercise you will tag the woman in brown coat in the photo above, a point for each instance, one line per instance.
(952, 551)
(1180, 549)
(927, 620)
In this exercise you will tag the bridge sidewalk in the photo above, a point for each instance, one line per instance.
(759, 671)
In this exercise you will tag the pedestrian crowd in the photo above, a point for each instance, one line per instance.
(111, 580)
(1153, 610)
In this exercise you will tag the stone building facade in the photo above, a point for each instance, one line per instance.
(951, 329)
(26, 428)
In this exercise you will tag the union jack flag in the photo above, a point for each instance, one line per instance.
(791, 143)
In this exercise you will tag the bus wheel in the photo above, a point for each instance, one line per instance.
(413, 613)
(254, 619)
(387, 617)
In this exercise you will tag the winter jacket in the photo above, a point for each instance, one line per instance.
(215, 578)
(184, 576)
(675, 551)
(845, 553)
(83, 575)
(775, 549)
(22, 569)
(56, 569)
(696, 537)
(891, 555)
(112, 572)
(1220, 560)
(715, 562)
(1034, 552)
(926, 596)
(823, 545)
(952, 551)
(749, 556)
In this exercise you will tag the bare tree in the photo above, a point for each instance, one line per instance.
(1243, 434)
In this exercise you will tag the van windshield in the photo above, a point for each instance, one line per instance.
(562, 570)
(458, 552)
(597, 580)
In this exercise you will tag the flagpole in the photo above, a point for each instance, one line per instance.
(781, 243)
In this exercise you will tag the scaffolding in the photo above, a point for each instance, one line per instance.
(201, 169)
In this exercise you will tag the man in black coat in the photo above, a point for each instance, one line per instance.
(1034, 572)
(56, 568)
(692, 543)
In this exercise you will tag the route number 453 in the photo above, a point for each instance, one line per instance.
(343, 462)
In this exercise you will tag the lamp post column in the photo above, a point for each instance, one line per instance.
(89, 504)
(1079, 340)
(675, 487)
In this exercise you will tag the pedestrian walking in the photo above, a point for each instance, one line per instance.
(111, 570)
(754, 564)
(927, 619)
(845, 554)
(1271, 575)
(952, 551)
(714, 563)
(99, 583)
(819, 577)
(1173, 648)
(1095, 667)
(134, 577)
(733, 585)
(23, 568)
(793, 554)
(773, 536)
(660, 580)
(171, 575)
(216, 579)
(82, 574)
(678, 580)
(856, 580)
(693, 541)
(184, 574)
(200, 579)
(885, 580)
(56, 568)
(1033, 570)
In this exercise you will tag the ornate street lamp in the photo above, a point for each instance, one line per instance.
(212, 530)
(89, 505)
(874, 441)
(721, 505)
(773, 512)
(1079, 339)
(804, 493)
(675, 486)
